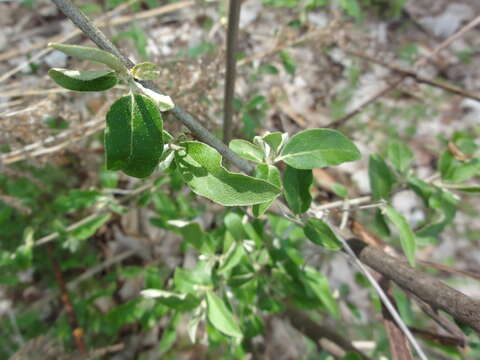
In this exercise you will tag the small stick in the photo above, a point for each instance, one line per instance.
(405, 74)
(231, 64)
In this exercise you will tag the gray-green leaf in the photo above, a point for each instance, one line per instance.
(145, 71)
(133, 136)
(221, 317)
(381, 177)
(181, 302)
(201, 167)
(91, 54)
(84, 231)
(317, 148)
(456, 171)
(320, 286)
(399, 155)
(318, 232)
(407, 238)
(296, 185)
(96, 80)
(271, 174)
(246, 150)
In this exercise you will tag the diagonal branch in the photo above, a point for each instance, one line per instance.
(430, 290)
(94, 34)
(304, 324)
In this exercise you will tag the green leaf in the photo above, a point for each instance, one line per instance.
(246, 150)
(318, 148)
(169, 335)
(233, 257)
(275, 140)
(221, 317)
(176, 301)
(84, 231)
(399, 155)
(320, 286)
(288, 62)
(340, 190)
(163, 102)
(352, 8)
(381, 177)
(407, 238)
(193, 234)
(233, 223)
(91, 54)
(133, 136)
(201, 167)
(24, 253)
(188, 281)
(456, 171)
(352, 356)
(96, 80)
(296, 185)
(318, 232)
(271, 174)
(76, 199)
(467, 188)
(441, 206)
(145, 71)
(193, 324)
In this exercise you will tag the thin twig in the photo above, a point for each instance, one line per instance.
(418, 78)
(385, 300)
(351, 203)
(450, 40)
(230, 71)
(100, 22)
(339, 122)
(57, 142)
(405, 73)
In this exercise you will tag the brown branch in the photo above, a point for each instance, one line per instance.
(450, 40)
(396, 338)
(433, 292)
(339, 122)
(418, 78)
(316, 332)
(438, 338)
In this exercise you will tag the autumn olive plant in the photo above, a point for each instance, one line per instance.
(137, 144)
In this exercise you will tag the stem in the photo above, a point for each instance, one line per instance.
(231, 63)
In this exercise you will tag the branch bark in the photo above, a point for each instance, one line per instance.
(430, 290)
(316, 332)
(231, 64)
